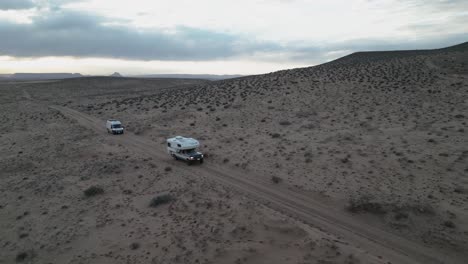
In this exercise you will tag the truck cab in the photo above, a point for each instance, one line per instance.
(114, 126)
(181, 148)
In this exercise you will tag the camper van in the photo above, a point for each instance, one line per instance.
(114, 126)
(181, 148)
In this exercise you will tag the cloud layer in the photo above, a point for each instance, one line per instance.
(283, 32)
(16, 4)
(65, 33)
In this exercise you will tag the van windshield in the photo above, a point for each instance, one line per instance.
(116, 126)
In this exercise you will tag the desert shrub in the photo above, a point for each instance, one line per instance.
(275, 135)
(276, 179)
(168, 169)
(449, 224)
(20, 257)
(161, 199)
(127, 191)
(422, 208)
(134, 246)
(401, 215)
(93, 190)
(285, 123)
(366, 205)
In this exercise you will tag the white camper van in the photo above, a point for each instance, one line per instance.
(114, 127)
(181, 148)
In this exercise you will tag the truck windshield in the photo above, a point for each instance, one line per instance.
(116, 126)
(190, 151)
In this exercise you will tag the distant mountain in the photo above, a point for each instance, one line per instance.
(189, 76)
(43, 76)
(116, 74)
(46, 76)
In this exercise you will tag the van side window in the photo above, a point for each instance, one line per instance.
(168, 144)
(179, 145)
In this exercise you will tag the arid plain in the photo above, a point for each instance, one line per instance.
(360, 160)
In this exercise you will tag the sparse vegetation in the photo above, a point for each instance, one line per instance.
(161, 199)
(20, 257)
(366, 205)
(276, 179)
(459, 190)
(449, 224)
(401, 215)
(93, 191)
(134, 245)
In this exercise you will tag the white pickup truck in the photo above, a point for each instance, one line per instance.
(114, 126)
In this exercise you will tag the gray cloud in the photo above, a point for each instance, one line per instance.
(16, 4)
(321, 53)
(384, 44)
(312, 55)
(436, 5)
(65, 33)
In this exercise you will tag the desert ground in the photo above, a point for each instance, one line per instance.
(360, 160)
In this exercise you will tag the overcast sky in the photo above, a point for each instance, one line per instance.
(214, 36)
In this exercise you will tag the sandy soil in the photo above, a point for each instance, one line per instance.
(369, 153)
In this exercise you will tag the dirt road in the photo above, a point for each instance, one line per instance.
(285, 199)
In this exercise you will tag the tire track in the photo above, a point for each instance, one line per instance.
(293, 203)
